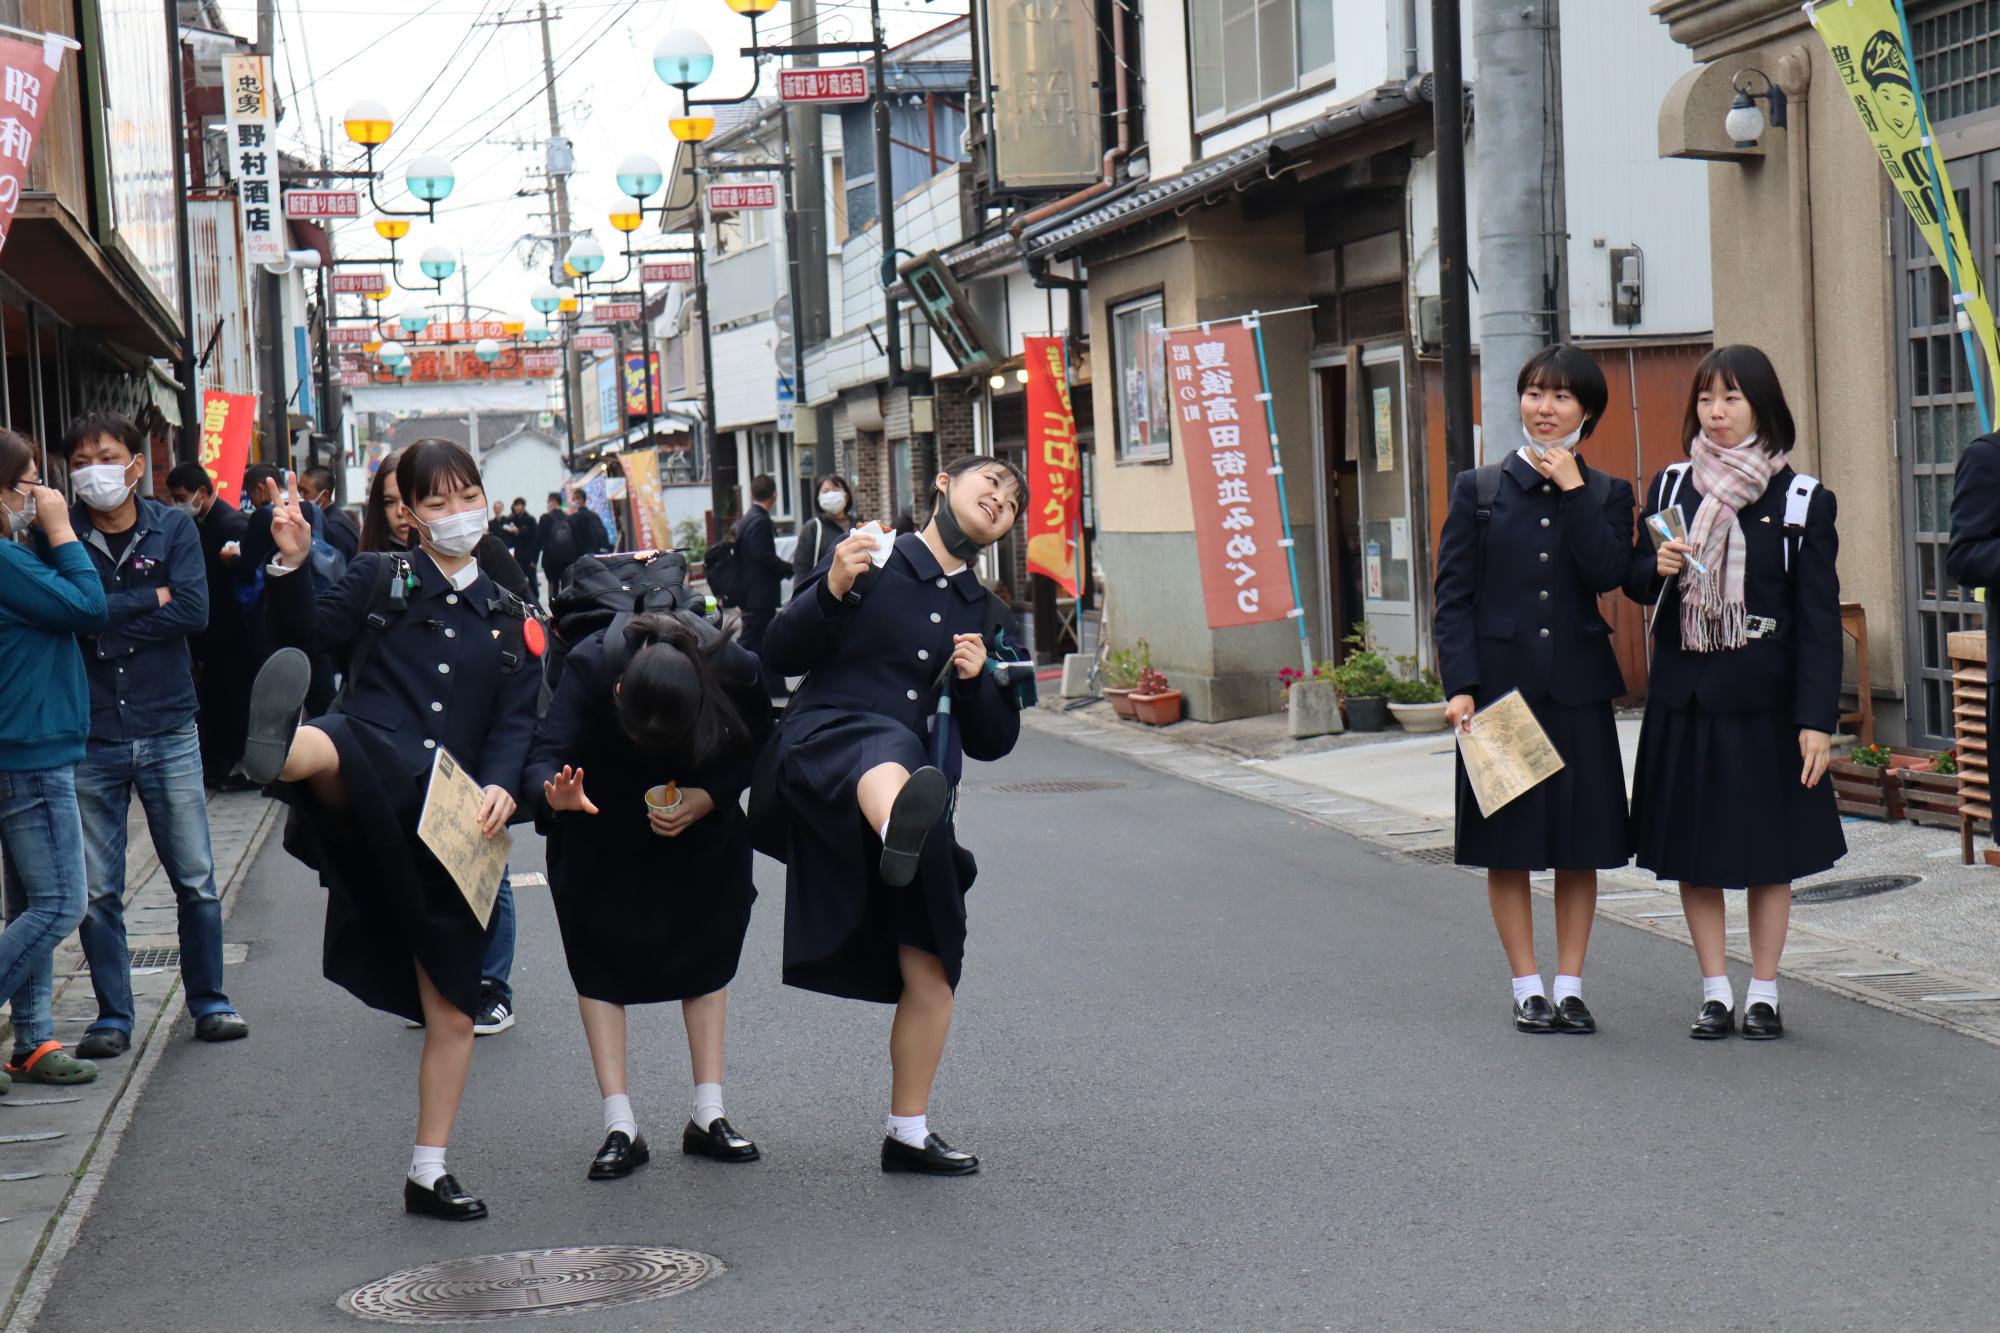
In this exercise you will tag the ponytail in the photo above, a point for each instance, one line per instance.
(671, 699)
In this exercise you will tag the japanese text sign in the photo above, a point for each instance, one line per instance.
(350, 335)
(322, 204)
(251, 124)
(593, 342)
(27, 81)
(358, 284)
(541, 360)
(615, 312)
(671, 270)
(830, 83)
(1218, 410)
(1055, 471)
(226, 420)
(730, 198)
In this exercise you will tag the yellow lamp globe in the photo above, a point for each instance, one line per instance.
(752, 7)
(570, 269)
(627, 222)
(392, 229)
(382, 295)
(570, 305)
(367, 122)
(692, 129)
(514, 328)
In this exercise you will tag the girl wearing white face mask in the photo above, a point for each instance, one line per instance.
(438, 658)
(1529, 545)
(824, 530)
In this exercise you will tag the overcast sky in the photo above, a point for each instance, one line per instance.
(456, 84)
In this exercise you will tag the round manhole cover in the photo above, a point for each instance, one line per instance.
(1865, 886)
(530, 1282)
(1065, 787)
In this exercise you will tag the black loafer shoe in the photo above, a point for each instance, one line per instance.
(103, 1044)
(1535, 1014)
(935, 1158)
(275, 699)
(225, 1026)
(1572, 1015)
(1715, 1021)
(620, 1156)
(1761, 1023)
(719, 1141)
(918, 808)
(444, 1200)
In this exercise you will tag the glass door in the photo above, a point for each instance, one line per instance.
(1383, 473)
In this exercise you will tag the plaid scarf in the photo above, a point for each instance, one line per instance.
(1728, 477)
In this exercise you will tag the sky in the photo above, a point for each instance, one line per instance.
(456, 83)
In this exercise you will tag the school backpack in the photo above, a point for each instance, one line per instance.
(1486, 489)
(1798, 500)
(604, 592)
(325, 563)
(561, 550)
(724, 572)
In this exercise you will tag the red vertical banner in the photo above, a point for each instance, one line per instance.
(1055, 471)
(226, 421)
(28, 73)
(1239, 532)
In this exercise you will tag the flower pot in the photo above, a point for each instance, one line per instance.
(1157, 710)
(1862, 789)
(1121, 701)
(1419, 717)
(1367, 712)
(1930, 799)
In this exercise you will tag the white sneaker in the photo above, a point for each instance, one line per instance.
(495, 1018)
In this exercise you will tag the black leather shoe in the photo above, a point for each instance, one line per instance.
(916, 812)
(719, 1141)
(1761, 1023)
(275, 699)
(620, 1156)
(225, 1026)
(935, 1158)
(444, 1200)
(1572, 1015)
(1535, 1014)
(1715, 1021)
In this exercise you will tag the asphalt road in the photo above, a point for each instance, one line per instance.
(1227, 1070)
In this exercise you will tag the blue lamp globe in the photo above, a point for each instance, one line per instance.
(683, 59)
(438, 263)
(546, 299)
(403, 368)
(586, 256)
(639, 175)
(414, 319)
(486, 350)
(430, 177)
(537, 333)
(391, 352)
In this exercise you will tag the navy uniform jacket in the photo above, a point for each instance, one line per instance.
(1533, 624)
(222, 524)
(439, 673)
(1973, 558)
(764, 571)
(1798, 670)
(141, 675)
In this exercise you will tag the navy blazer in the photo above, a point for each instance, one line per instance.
(1532, 625)
(141, 674)
(1973, 558)
(764, 570)
(1798, 670)
(440, 672)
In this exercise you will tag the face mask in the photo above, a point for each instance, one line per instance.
(187, 507)
(957, 540)
(454, 535)
(1540, 447)
(102, 486)
(17, 525)
(833, 502)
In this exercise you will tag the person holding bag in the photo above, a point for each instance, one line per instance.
(1730, 788)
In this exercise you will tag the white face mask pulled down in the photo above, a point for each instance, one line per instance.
(102, 486)
(1540, 447)
(454, 535)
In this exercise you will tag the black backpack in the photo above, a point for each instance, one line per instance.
(604, 592)
(723, 571)
(561, 552)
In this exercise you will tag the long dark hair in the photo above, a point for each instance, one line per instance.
(671, 700)
(376, 532)
(1747, 370)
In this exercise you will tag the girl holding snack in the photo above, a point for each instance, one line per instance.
(893, 638)
(1730, 785)
(636, 775)
(1528, 546)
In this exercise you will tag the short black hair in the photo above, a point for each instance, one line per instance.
(320, 475)
(555, 497)
(1747, 370)
(431, 466)
(257, 474)
(1575, 372)
(520, 500)
(190, 477)
(762, 488)
(93, 424)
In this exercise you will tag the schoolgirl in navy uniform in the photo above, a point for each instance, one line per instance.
(1729, 789)
(653, 904)
(1521, 614)
(453, 663)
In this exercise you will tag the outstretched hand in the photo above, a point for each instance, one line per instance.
(564, 791)
(290, 530)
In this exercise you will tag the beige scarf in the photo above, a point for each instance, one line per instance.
(1728, 477)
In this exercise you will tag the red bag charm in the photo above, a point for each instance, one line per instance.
(534, 636)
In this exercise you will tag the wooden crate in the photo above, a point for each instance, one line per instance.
(1968, 698)
(1861, 789)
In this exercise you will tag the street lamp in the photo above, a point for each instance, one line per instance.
(430, 178)
(391, 354)
(392, 230)
(585, 255)
(537, 333)
(438, 263)
(683, 59)
(639, 175)
(486, 350)
(627, 222)
(414, 319)
(546, 299)
(367, 123)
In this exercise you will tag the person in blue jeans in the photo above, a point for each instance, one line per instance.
(142, 730)
(46, 600)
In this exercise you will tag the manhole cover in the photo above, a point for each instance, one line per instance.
(1431, 856)
(1866, 886)
(156, 957)
(530, 1282)
(1058, 788)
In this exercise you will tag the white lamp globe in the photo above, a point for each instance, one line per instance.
(585, 255)
(430, 177)
(389, 353)
(546, 299)
(1745, 121)
(639, 175)
(683, 59)
(438, 263)
(486, 350)
(414, 319)
(537, 333)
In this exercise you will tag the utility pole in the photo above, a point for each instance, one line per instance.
(559, 207)
(270, 303)
(885, 196)
(1524, 298)
(1454, 300)
(812, 316)
(185, 366)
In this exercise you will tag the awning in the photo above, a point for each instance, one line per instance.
(50, 255)
(166, 393)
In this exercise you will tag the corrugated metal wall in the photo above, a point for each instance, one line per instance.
(220, 296)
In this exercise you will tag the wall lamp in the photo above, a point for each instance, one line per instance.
(1746, 120)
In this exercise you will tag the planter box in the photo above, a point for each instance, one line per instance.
(1930, 799)
(1157, 710)
(1367, 712)
(1419, 717)
(1121, 701)
(1312, 709)
(1872, 793)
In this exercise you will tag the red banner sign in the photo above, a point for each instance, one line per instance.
(322, 204)
(351, 335)
(1232, 475)
(347, 284)
(594, 342)
(825, 83)
(355, 379)
(30, 70)
(1055, 471)
(444, 365)
(226, 422)
(672, 270)
(541, 360)
(732, 198)
(616, 312)
(636, 401)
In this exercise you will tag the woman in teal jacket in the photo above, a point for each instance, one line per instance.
(45, 602)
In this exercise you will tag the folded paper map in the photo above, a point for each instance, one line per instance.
(449, 826)
(1506, 752)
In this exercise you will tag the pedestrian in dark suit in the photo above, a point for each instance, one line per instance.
(764, 572)
(522, 545)
(653, 903)
(454, 664)
(1517, 586)
(865, 765)
(221, 651)
(555, 538)
(591, 536)
(1729, 790)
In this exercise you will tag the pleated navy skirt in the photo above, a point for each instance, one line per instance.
(1717, 802)
(1577, 820)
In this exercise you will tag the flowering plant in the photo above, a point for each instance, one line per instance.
(1290, 676)
(1152, 680)
(1947, 763)
(1871, 756)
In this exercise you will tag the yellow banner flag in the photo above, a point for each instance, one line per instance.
(642, 486)
(1866, 41)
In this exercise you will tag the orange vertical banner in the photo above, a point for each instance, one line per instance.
(1055, 471)
(226, 422)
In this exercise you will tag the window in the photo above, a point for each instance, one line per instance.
(1139, 341)
(769, 457)
(1247, 52)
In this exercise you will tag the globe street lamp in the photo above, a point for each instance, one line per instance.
(546, 299)
(486, 350)
(430, 178)
(438, 263)
(639, 175)
(585, 255)
(537, 333)
(414, 319)
(391, 353)
(367, 123)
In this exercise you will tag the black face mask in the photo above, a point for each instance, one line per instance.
(956, 539)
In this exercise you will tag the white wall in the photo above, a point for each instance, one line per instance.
(746, 375)
(1166, 92)
(529, 467)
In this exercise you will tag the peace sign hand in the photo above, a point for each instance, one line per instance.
(290, 530)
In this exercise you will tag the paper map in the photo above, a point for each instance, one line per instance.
(449, 826)
(1506, 752)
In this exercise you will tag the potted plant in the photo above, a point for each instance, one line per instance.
(1930, 791)
(1416, 697)
(1363, 682)
(693, 543)
(1121, 673)
(1153, 701)
(1864, 784)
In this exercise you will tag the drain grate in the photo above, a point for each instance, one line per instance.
(528, 1283)
(1060, 787)
(1430, 856)
(156, 957)
(1866, 886)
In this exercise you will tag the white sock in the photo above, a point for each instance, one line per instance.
(1718, 988)
(1567, 986)
(707, 1104)
(618, 1115)
(1761, 992)
(426, 1165)
(1526, 986)
(909, 1129)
